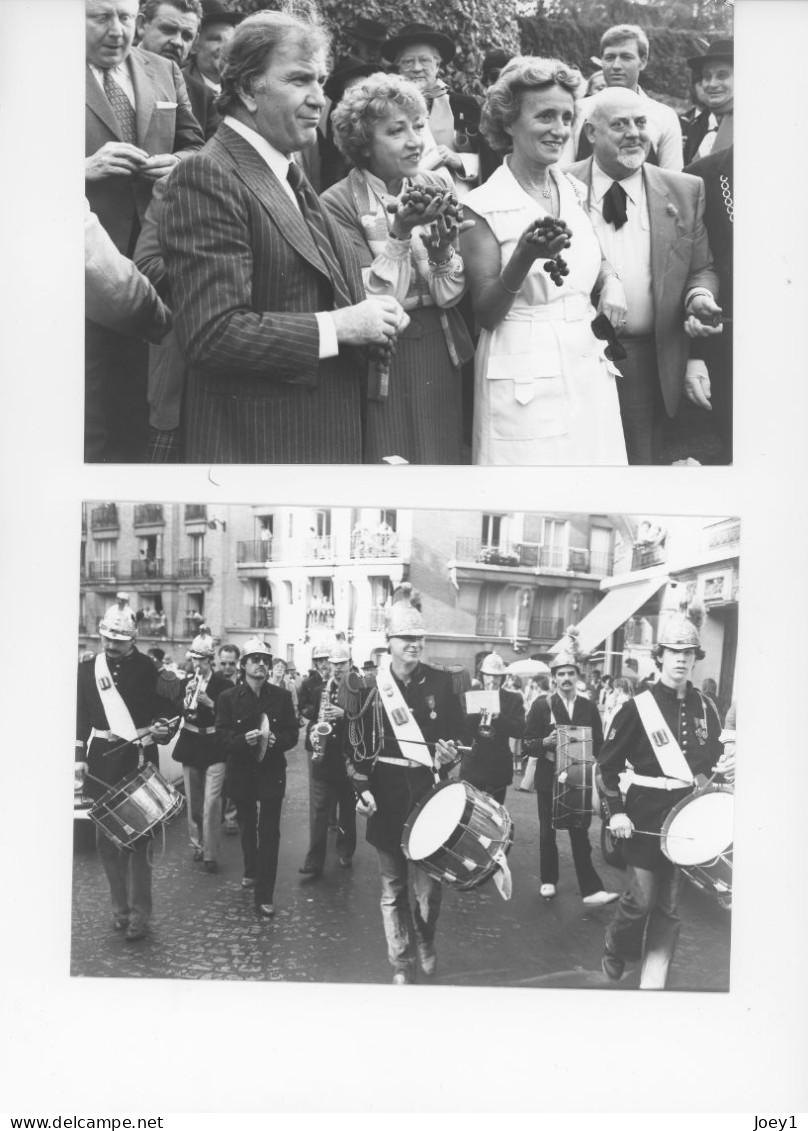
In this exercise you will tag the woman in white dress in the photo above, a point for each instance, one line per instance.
(544, 390)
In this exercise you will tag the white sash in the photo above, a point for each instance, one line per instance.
(667, 750)
(118, 718)
(398, 713)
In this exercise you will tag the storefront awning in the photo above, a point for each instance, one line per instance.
(615, 609)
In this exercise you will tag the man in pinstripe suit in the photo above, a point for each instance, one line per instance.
(267, 296)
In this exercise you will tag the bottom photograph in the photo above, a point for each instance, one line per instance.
(452, 747)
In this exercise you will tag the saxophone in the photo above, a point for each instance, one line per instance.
(321, 729)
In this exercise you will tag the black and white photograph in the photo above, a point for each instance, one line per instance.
(350, 232)
(501, 745)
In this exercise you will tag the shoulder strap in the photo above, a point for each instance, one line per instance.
(118, 716)
(398, 714)
(666, 749)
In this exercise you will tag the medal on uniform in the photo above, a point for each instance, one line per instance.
(701, 732)
(430, 702)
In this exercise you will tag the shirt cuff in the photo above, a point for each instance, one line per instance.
(329, 345)
(691, 294)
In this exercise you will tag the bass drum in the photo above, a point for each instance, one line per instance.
(697, 837)
(458, 834)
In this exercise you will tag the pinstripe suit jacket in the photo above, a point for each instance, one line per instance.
(246, 280)
(169, 128)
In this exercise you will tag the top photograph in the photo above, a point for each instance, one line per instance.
(368, 232)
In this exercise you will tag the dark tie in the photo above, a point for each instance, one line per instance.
(614, 206)
(313, 215)
(122, 109)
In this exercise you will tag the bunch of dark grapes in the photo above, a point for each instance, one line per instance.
(546, 230)
(419, 197)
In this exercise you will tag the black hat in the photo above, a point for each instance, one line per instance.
(348, 68)
(214, 12)
(718, 49)
(495, 60)
(373, 31)
(419, 33)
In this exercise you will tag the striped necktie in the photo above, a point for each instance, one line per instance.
(122, 109)
(311, 212)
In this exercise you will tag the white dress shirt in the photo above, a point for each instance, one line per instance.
(279, 164)
(627, 249)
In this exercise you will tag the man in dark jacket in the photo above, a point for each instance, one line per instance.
(200, 753)
(564, 708)
(117, 723)
(329, 784)
(489, 764)
(389, 784)
(255, 726)
(668, 735)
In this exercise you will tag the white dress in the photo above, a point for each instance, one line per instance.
(544, 393)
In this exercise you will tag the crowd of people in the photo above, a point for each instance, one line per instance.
(289, 266)
(382, 743)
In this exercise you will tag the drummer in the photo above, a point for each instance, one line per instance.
(668, 734)
(255, 726)
(565, 707)
(117, 724)
(489, 763)
(389, 786)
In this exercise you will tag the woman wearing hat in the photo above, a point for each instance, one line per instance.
(708, 128)
(419, 52)
(544, 391)
(489, 764)
(199, 753)
(410, 255)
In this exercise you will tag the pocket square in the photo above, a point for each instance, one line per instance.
(165, 105)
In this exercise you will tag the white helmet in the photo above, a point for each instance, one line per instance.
(493, 664)
(117, 624)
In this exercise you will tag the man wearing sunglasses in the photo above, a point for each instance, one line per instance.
(650, 225)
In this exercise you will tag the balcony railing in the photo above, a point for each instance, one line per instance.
(643, 557)
(492, 624)
(149, 514)
(105, 517)
(546, 628)
(321, 615)
(192, 624)
(377, 619)
(529, 555)
(262, 616)
(320, 546)
(196, 512)
(144, 568)
(601, 562)
(193, 567)
(102, 571)
(259, 551)
(375, 544)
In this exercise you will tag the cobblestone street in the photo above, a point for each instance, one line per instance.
(204, 926)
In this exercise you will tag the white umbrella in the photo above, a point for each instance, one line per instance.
(528, 667)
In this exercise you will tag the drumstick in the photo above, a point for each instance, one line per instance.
(132, 741)
(417, 742)
(672, 836)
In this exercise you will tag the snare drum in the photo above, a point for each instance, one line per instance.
(458, 834)
(697, 836)
(135, 805)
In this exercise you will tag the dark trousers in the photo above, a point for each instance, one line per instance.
(259, 823)
(642, 409)
(129, 878)
(324, 795)
(646, 922)
(116, 411)
(588, 879)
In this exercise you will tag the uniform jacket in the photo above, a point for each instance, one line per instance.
(136, 679)
(169, 128)
(680, 260)
(239, 710)
(331, 767)
(696, 726)
(203, 100)
(540, 726)
(202, 750)
(489, 766)
(246, 280)
(437, 710)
